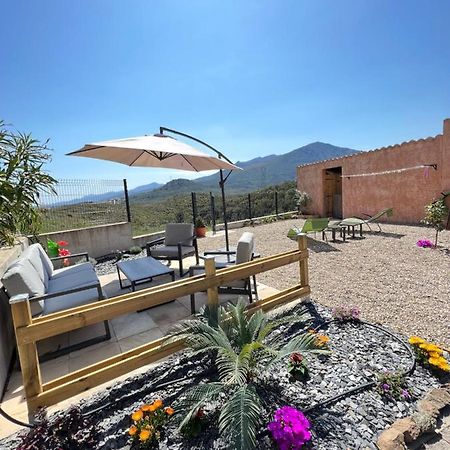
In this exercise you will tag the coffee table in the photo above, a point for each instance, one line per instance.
(142, 270)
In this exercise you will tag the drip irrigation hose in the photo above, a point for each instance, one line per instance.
(365, 386)
(15, 421)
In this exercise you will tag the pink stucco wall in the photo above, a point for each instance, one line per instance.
(407, 192)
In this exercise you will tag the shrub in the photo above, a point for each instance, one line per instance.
(302, 200)
(70, 430)
(135, 250)
(148, 423)
(22, 179)
(392, 385)
(297, 367)
(435, 214)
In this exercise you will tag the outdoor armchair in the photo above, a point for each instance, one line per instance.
(310, 226)
(244, 253)
(52, 290)
(178, 242)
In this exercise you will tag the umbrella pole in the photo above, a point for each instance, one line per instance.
(224, 207)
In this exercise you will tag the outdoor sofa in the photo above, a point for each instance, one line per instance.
(52, 290)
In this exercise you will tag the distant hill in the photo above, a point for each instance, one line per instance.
(258, 172)
(275, 169)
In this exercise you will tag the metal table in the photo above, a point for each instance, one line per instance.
(142, 270)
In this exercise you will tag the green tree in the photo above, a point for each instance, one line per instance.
(243, 348)
(435, 214)
(22, 179)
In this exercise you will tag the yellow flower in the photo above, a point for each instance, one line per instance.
(132, 431)
(137, 415)
(144, 435)
(413, 340)
(433, 348)
(443, 365)
(169, 411)
(434, 355)
(434, 361)
(157, 403)
(146, 408)
(321, 340)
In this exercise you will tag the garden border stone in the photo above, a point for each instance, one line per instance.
(408, 430)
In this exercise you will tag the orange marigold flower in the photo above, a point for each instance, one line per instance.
(146, 408)
(158, 403)
(169, 411)
(132, 431)
(416, 340)
(322, 339)
(137, 415)
(144, 435)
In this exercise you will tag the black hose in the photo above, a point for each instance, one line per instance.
(365, 386)
(15, 421)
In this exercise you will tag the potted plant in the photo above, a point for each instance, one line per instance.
(200, 227)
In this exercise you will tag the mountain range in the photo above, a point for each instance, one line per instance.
(257, 173)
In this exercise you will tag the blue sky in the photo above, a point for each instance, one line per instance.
(250, 77)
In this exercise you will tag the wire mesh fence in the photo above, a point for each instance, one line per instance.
(83, 203)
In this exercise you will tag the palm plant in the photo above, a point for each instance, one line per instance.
(243, 346)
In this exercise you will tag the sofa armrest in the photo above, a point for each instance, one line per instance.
(71, 291)
(73, 255)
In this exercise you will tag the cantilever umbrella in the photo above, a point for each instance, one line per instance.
(159, 150)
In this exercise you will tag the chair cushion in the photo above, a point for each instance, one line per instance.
(22, 278)
(179, 232)
(46, 261)
(32, 253)
(71, 281)
(245, 248)
(67, 301)
(77, 268)
(171, 251)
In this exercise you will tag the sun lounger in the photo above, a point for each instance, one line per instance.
(310, 226)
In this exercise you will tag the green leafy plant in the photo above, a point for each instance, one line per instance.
(243, 347)
(297, 367)
(135, 250)
(393, 385)
(435, 214)
(22, 179)
(200, 223)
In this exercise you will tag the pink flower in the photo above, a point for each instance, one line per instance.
(62, 243)
(63, 252)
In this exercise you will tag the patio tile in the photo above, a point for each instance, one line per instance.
(168, 313)
(53, 343)
(91, 355)
(140, 339)
(55, 368)
(130, 324)
(89, 332)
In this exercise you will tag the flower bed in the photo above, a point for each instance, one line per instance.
(359, 354)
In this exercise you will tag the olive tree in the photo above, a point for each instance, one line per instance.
(435, 214)
(22, 179)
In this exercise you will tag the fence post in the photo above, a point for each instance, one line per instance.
(276, 203)
(210, 271)
(194, 207)
(127, 200)
(303, 263)
(213, 211)
(249, 207)
(28, 355)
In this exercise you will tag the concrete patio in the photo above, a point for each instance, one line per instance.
(127, 331)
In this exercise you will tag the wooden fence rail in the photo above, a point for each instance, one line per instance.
(29, 331)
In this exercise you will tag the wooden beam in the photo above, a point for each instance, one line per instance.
(28, 355)
(210, 272)
(303, 263)
(53, 325)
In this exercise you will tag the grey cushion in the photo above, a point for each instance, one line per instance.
(22, 278)
(179, 232)
(33, 254)
(245, 248)
(74, 280)
(77, 268)
(46, 261)
(171, 251)
(67, 301)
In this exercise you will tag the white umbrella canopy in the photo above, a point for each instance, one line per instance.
(158, 150)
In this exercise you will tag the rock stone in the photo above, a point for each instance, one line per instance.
(391, 439)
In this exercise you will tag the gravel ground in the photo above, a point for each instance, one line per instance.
(393, 281)
(358, 353)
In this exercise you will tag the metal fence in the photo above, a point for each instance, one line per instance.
(83, 203)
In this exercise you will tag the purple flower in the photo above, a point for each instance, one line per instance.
(385, 386)
(290, 428)
(405, 394)
(424, 243)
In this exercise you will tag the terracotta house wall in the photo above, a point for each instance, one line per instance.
(407, 192)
